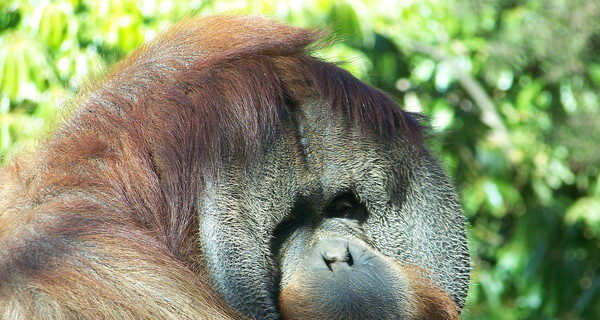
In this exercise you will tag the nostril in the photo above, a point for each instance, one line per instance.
(337, 258)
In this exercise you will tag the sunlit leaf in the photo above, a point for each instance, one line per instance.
(587, 210)
(25, 71)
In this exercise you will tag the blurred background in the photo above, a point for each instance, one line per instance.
(511, 89)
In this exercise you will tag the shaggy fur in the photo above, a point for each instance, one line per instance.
(102, 221)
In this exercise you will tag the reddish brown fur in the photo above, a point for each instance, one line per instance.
(100, 222)
(428, 299)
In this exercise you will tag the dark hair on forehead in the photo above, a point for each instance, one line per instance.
(236, 73)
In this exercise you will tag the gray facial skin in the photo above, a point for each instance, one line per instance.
(322, 193)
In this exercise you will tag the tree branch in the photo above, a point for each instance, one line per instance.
(489, 113)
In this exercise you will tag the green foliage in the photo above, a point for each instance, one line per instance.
(511, 88)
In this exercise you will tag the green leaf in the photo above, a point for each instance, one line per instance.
(587, 210)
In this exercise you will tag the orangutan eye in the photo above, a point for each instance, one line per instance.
(341, 207)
